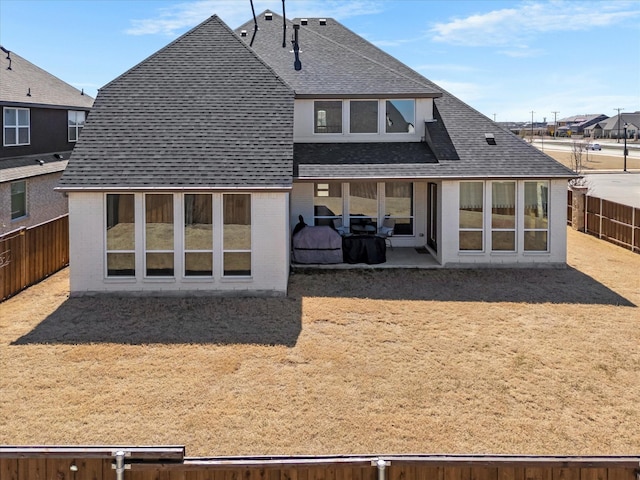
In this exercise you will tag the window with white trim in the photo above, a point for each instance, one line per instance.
(158, 234)
(76, 120)
(236, 248)
(327, 203)
(471, 216)
(398, 201)
(400, 116)
(198, 235)
(18, 199)
(536, 216)
(17, 126)
(363, 116)
(328, 116)
(363, 206)
(503, 216)
(120, 235)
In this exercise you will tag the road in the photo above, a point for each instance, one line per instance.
(609, 149)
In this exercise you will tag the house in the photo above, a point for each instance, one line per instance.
(613, 127)
(42, 118)
(576, 124)
(196, 164)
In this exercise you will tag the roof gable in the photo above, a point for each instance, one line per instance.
(27, 84)
(203, 112)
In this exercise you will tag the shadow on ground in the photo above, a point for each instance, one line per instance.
(170, 320)
(541, 285)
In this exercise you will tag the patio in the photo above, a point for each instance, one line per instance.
(397, 257)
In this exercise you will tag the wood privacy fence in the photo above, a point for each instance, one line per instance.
(168, 463)
(30, 254)
(610, 221)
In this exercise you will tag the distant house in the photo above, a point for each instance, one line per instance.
(42, 118)
(613, 127)
(576, 124)
(195, 165)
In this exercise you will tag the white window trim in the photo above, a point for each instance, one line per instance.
(144, 240)
(224, 250)
(117, 278)
(525, 230)
(342, 113)
(382, 193)
(17, 126)
(76, 127)
(184, 249)
(383, 113)
(516, 220)
(482, 229)
(348, 116)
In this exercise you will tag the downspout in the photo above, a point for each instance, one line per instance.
(120, 466)
(382, 465)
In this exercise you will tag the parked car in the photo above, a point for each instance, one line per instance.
(593, 146)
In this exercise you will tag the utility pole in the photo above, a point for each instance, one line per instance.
(532, 112)
(494, 117)
(555, 124)
(618, 137)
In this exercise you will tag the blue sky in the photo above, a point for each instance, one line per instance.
(501, 57)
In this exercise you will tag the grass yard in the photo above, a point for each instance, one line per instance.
(433, 361)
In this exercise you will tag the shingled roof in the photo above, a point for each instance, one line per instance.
(25, 84)
(336, 61)
(203, 112)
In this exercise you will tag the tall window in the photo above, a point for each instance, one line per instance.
(536, 216)
(400, 116)
(363, 203)
(399, 206)
(159, 235)
(363, 116)
(471, 216)
(328, 116)
(18, 199)
(76, 122)
(237, 234)
(198, 235)
(327, 202)
(121, 253)
(503, 216)
(17, 130)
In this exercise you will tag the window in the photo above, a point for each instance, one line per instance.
(503, 216)
(400, 116)
(198, 235)
(363, 204)
(76, 122)
(328, 116)
(399, 206)
(121, 256)
(236, 234)
(471, 216)
(18, 199)
(159, 235)
(363, 116)
(536, 216)
(327, 203)
(16, 127)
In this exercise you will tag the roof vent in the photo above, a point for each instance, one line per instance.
(304, 21)
(268, 16)
(322, 21)
(243, 33)
(491, 140)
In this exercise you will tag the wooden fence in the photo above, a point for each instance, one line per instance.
(148, 463)
(30, 254)
(610, 221)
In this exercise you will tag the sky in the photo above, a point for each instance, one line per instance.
(504, 58)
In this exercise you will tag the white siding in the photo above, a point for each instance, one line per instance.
(270, 250)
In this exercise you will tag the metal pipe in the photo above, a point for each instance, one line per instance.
(381, 464)
(120, 466)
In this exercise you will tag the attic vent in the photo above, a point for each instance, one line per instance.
(304, 21)
(491, 140)
(268, 16)
(243, 33)
(323, 21)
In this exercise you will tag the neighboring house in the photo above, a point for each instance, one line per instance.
(577, 124)
(613, 127)
(42, 117)
(195, 165)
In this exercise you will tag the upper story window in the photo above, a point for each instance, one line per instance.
(328, 116)
(363, 116)
(17, 130)
(400, 116)
(76, 122)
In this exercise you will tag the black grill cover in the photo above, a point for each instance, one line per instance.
(368, 249)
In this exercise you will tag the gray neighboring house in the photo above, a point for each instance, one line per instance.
(42, 117)
(613, 127)
(578, 124)
(195, 165)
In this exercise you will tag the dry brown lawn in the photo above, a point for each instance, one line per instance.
(434, 361)
(593, 162)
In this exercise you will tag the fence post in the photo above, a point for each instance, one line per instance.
(578, 207)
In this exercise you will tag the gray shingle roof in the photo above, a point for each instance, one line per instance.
(203, 112)
(27, 84)
(345, 64)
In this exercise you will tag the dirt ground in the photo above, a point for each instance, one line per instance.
(596, 161)
(435, 361)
